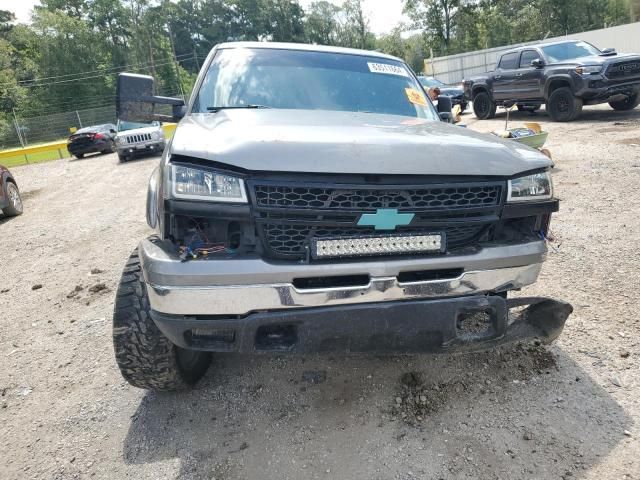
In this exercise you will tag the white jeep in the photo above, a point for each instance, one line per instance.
(139, 138)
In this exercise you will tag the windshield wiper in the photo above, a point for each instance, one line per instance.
(217, 109)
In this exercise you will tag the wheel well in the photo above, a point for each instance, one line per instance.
(476, 90)
(556, 84)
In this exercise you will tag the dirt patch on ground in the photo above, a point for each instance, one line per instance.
(569, 411)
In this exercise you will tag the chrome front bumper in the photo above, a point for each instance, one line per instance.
(238, 287)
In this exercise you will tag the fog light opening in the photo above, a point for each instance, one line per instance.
(474, 324)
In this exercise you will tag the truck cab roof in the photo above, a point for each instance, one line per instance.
(307, 48)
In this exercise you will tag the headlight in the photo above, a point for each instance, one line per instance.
(589, 69)
(119, 140)
(531, 188)
(201, 184)
(155, 135)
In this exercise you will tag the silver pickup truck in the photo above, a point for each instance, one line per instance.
(313, 199)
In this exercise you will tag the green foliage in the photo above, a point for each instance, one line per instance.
(454, 26)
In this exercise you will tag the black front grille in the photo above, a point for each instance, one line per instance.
(332, 198)
(624, 69)
(290, 216)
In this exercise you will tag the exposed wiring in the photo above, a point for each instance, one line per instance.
(200, 246)
(549, 239)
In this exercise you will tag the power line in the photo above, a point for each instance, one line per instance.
(102, 70)
(85, 78)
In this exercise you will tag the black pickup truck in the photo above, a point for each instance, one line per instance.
(563, 75)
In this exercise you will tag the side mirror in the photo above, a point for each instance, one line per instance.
(609, 51)
(537, 63)
(444, 109)
(135, 101)
(111, 130)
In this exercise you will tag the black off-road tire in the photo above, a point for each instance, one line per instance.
(563, 106)
(122, 158)
(483, 107)
(147, 359)
(628, 104)
(79, 156)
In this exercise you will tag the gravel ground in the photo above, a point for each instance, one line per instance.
(566, 412)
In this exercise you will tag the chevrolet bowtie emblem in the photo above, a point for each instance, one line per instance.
(385, 219)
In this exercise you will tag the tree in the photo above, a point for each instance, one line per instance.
(618, 12)
(284, 20)
(353, 27)
(322, 23)
(436, 17)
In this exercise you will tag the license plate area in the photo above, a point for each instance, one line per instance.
(377, 245)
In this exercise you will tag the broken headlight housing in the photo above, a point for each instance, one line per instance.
(194, 183)
(535, 187)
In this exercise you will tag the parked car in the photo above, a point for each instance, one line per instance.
(565, 75)
(456, 93)
(136, 138)
(10, 201)
(328, 210)
(98, 138)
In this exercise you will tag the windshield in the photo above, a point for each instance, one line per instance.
(430, 82)
(304, 80)
(569, 51)
(123, 126)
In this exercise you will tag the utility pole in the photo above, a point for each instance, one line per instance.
(175, 58)
(195, 58)
(17, 127)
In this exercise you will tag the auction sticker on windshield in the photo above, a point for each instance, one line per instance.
(415, 97)
(388, 69)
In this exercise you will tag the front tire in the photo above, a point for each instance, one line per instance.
(122, 158)
(15, 201)
(627, 104)
(563, 106)
(146, 358)
(111, 149)
(483, 107)
(79, 156)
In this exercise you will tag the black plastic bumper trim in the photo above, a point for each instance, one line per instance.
(428, 326)
(520, 210)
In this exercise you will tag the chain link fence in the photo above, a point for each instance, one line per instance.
(53, 127)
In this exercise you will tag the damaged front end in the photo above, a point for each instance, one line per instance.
(433, 326)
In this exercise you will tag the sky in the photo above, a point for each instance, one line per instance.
(383, 15)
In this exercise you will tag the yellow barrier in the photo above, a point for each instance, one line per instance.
(50, 151)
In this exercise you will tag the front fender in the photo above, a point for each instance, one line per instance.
(565, 77)
(154, 199)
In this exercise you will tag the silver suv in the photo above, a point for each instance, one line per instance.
(331, 208)
(134, 138)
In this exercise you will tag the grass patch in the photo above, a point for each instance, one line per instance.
(39, 157)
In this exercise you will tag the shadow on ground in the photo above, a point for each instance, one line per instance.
(588, 115)
(503, 414)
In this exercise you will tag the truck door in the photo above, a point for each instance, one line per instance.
(505, 76)
(528, 81)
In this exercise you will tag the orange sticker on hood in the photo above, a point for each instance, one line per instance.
(416, 97)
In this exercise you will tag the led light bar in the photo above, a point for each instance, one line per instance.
(380, 245)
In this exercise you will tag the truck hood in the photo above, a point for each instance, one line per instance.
(344, 142)
(600, 59)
